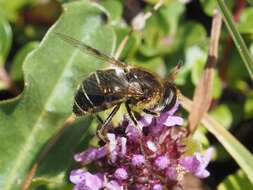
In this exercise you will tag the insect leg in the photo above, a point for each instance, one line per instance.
(150, 112)
(101, 130)
(100, 120)
(132, 117)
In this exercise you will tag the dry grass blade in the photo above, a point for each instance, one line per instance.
(203, 92)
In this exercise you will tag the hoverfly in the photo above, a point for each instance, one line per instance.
(123, 84)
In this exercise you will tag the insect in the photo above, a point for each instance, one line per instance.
(122, 84)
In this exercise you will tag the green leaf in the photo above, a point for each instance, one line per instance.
(238, 40)
(10, 9)
(248, 106)
(237, 181)
(16, 67)
(50, 72)
(223, 115)
(114, 8)
(57, 166)
(250, 2)
(132, 45)
(161, 28)
(155, 65)
(5, 39)
(245, 24)
(209, 6)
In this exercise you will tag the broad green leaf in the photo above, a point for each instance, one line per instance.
(57, 166)
(114, 7)
(236, 181)
(16, 67)
(5, 39)
(50, 72)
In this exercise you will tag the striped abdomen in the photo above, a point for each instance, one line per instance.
(100, 91)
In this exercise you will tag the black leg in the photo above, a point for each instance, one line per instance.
(150, 112)
(101, 130)
(100, 120)
(132, 117)
(130, 113)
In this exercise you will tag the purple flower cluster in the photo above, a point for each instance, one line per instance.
(153, 160)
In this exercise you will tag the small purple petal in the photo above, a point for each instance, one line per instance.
(123, 142)
(91, 154)
(197, 163)
(208, 155)
(132, 133)
(171, 172)
(173, 109)
(146, 120)
(112, 147)
(86, 180)
(95, 182)
(81, 186)
(121, 174)
(157, 187)
(138, 160)
(88, 155)
(173, 120)
(156, 129)
(113, 185)
(162, 162)
(77, 176)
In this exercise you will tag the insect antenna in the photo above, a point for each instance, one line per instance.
(173, 74)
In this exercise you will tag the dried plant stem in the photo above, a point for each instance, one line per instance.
(52, 142)
(203, 92)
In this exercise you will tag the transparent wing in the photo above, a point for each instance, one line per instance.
(91, 51)
(110, 82)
